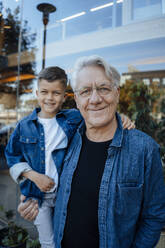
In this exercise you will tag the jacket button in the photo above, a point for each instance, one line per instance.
(42, 148)
(42, 161)
(42, 133)
(27, 140)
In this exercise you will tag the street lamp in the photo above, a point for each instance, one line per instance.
(46, 9)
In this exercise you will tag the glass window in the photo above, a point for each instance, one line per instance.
(143, 9)
(163, 81)
(146, 81)
(119, 14)
(127, 34)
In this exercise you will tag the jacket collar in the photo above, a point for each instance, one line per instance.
(34, 115)
(118, 137)
(81, 129)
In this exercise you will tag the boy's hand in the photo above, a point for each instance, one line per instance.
(127, 123)
(43, 182)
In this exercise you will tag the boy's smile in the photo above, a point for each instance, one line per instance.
(51, 96)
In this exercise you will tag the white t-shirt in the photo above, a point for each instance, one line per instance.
(55, 138)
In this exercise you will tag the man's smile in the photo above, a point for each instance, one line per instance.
(97, 109)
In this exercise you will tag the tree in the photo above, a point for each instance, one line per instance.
(10, 46)
(161, 130)
(138, 101)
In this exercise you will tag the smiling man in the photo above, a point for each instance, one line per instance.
(97, 101)
(111, 192)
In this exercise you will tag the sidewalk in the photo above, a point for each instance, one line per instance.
(161, 243)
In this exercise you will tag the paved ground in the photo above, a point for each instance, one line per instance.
(161, 243)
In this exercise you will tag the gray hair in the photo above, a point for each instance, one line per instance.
(95, 60)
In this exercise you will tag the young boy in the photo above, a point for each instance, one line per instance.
(37, 147)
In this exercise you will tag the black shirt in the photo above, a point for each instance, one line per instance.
(81, 227)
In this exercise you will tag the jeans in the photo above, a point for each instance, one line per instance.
(44, 221)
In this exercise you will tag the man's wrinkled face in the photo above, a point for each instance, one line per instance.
(96, 97)
(51, 96)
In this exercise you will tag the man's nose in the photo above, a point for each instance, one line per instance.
(95, 97)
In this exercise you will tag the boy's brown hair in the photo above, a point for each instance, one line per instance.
(53, 73)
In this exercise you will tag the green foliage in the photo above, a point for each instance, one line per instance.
(138, 101)
(161, 131)
(162, 107)
(12, 235)
(33, 243)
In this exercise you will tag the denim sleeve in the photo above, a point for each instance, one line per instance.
(14, 156)
(152, 217)
(17, 169)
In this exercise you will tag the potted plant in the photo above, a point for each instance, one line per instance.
(33, 243)
(12, 235)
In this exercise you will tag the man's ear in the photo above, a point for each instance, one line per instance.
(37, 93)
(118, 93)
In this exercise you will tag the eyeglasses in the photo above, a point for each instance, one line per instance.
(101, 91)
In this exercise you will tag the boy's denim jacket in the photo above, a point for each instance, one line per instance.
(131, 204)
(26, 148)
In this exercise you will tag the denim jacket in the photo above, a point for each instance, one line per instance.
(26, 148)
(131, 208)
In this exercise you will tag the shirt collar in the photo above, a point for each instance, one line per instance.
(34, 115)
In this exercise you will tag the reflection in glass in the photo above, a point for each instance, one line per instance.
(10, 29)
(146, 8)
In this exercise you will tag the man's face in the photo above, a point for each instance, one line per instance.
(96, 97)
(51, 96)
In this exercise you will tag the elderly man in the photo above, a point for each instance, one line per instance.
(111, 192)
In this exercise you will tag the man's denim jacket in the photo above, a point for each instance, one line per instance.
(131, 208)
(26, 148)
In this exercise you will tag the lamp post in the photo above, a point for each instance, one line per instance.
(46, 9)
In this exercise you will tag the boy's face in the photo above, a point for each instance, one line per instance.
(51, 96)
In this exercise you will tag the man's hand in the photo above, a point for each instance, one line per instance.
(127, 123)
(29, 209)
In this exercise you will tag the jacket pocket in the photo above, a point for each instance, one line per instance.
(29, 148)
(129, 200)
